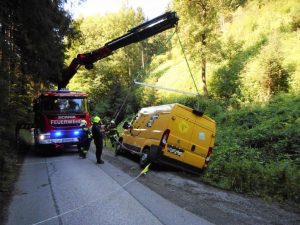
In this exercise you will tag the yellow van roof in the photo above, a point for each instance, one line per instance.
(156, 109)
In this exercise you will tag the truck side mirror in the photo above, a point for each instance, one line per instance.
(91, 105)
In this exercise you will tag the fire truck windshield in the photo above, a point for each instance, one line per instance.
(64, 104)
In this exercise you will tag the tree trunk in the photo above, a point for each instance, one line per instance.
(143, 59)
(203, 64)
(129, 67)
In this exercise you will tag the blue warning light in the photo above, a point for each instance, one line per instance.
(58, 134)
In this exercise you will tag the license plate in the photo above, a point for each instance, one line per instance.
(65, 140)
(69, 140)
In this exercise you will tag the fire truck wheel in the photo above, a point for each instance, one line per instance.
(145, 158)
(38, 149)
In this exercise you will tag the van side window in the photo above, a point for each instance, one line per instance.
(152, 119)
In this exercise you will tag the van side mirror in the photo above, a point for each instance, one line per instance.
(126, 125)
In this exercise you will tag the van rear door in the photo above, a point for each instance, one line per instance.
(202, 138)
(181, 127)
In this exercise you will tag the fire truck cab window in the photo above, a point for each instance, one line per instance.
(64, 105)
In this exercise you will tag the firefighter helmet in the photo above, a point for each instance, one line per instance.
(83, 123)
(96, 119)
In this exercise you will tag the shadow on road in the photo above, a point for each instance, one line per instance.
(49, 152)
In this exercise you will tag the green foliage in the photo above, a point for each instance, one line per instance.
(108, 82)
(31, 47)
(200, 18)
(269, 75)
(255, 56)
(257, 149)
(275, 77)
(31, 54)
(226, 82)
(277, 180)
(274, 66)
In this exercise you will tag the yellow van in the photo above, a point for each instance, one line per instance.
(170, 134)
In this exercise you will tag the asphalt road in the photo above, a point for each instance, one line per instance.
(64, 189)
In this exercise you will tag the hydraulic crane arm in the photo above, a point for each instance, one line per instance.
(136, 34)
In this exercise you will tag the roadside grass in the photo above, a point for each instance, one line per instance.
(9, 157)
(8, 163)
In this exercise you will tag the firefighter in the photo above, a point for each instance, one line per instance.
(85, 138)
(98, 138)
(113, 133)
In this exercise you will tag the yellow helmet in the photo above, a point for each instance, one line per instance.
(96, 119)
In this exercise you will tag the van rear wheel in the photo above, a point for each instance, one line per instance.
(145, 158)
(118, 149)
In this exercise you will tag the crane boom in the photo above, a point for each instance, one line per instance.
(136, 34)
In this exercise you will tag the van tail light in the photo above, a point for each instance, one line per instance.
(207, 159)
(164, 138)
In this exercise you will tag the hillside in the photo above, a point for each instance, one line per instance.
(255, 40)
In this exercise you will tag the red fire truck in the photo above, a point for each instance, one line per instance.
(58, 113)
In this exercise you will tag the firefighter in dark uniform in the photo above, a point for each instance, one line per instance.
(85, 138)
(98, 138)
(113, 133)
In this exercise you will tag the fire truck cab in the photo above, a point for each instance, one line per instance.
(57, 116)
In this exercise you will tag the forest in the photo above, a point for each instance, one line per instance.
(241, 58)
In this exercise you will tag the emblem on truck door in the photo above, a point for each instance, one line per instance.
(183, 126)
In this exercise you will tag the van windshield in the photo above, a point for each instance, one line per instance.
(64, 105)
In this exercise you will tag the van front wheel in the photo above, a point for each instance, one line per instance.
(145, 158)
